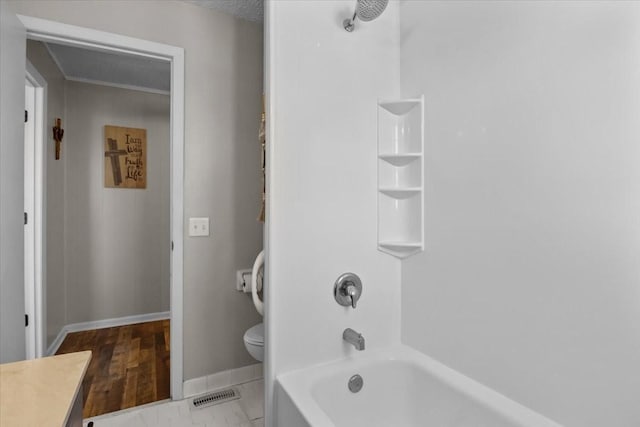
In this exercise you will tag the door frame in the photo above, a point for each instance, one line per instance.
(71, 35)
(35, 190)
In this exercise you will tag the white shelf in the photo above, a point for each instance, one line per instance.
(400, 127)
(400, 107)
(400, 249)
(401, 176)
(400, 193)
(400, 159)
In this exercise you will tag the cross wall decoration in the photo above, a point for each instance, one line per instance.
(125, 157)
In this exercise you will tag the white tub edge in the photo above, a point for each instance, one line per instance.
(297, 385)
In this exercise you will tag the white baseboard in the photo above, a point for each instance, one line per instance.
(105, 323)
(55, 345)
(228, 378)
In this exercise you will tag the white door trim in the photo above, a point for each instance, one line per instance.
(51, 31)
(29, 226)
(35, 190)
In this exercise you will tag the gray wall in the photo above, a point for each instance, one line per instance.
(12, 334)
(54, 280)
(116, 241)
(222, 94)
(530, 279)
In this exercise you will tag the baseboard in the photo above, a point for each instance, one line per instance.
(55, 345)
(105, 323)
(228, 378)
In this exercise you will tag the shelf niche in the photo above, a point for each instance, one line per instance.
(401, 176)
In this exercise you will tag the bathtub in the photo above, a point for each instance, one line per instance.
(402, 388)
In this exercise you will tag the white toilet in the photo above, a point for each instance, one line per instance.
(254, 341)
(254, 337)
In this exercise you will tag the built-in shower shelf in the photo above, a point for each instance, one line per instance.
(400, 249)
(401, 176)
(400, 159)
(401, 106)
(401, 193)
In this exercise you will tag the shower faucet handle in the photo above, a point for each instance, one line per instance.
(347, 290)
(352, 292)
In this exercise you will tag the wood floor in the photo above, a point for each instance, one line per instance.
(129, 366)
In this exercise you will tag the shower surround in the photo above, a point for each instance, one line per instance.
(528, 281)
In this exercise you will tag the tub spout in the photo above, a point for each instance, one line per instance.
(353, 338)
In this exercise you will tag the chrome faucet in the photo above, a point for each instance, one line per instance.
(347, 290)
(353, 338)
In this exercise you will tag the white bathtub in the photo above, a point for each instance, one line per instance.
(402, 388)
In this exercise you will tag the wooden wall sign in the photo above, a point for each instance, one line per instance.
(125, 157)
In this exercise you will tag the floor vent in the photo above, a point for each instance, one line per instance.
(215, 398)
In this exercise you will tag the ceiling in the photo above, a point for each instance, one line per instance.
(251, 10)
(134, 72)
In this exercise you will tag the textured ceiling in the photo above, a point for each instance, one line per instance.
(251, 10)
(120, 70)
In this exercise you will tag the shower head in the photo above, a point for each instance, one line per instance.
(366, 10)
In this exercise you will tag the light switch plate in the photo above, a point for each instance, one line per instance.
(198, 227)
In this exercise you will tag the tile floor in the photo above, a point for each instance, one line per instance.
(248, 411)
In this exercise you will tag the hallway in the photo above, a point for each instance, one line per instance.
(129, 366)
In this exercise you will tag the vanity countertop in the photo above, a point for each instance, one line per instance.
(41, 392)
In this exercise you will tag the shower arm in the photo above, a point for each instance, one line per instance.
(348, 23)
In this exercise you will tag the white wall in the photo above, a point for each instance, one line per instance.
(12, 335)
(530, 279)
(322, 86)
(54, 280)
(222, 105)
(116, 241)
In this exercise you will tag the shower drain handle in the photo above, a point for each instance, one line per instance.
(355, 383)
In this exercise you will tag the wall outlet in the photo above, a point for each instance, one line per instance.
(198, 227)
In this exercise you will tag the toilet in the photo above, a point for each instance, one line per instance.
(254, 337)
(254, 341)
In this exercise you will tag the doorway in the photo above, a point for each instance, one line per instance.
(98, 41)
(35, 111)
